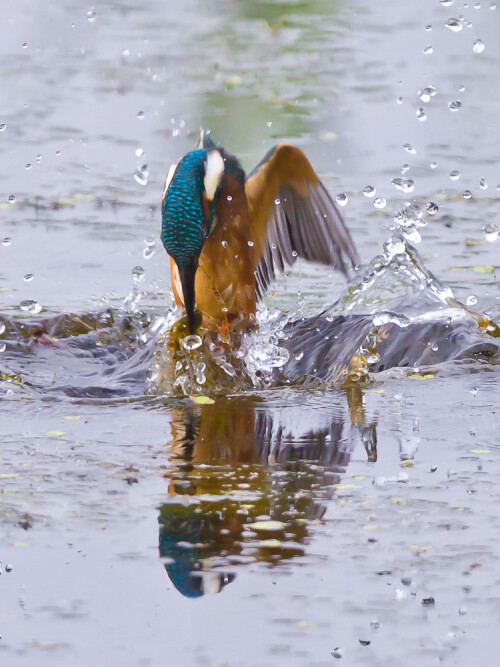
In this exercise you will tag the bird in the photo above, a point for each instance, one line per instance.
(228, 234)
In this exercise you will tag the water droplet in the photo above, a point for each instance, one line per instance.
(12, 199)
(471, 300)
(428, 50)
(454, 175)
(139, 152)
(490, 232)
(277, 202)
(405, 168)
(434, 165)
(190, 343)
(299, 356)
(431, 208)
(483, 184)
(409, 149)
(229, 198)
(3, 347)
(421, 115)
(342, 199)
(137, 273)
(399, 100)
(467, 194)
(338, 652)
(454, 24)
(6, 241)
(379, 202)
(224, 244)
(493, 6)
(455, 105)
(140, 114)
(141, 175)
(8, 567)
(27, 165)
(28, 277)
(24, 45)
(91, 15)
(250, 243)
(2, 328)
(406, 185)
(428, 92)
(39, 158)
(462, 610)
(269, 123)
(369, 191)
(375, 623)
(473, 391)
(2, 126)
(31, 306)
(428, 27)
(58, 153)
(478, 46)
(446, 3)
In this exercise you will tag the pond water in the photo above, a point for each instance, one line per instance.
(301, 524)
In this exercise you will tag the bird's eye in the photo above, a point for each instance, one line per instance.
(214, 168)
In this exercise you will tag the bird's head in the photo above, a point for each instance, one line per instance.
(188, 213)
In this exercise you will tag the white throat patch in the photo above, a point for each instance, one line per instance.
(214, 168)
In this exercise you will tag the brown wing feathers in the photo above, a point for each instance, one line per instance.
(292, 215)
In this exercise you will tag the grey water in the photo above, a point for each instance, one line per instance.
(286, 523)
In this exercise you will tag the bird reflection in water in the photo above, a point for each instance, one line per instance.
(248, 478)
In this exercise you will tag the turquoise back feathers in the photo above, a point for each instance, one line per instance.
(184, 228)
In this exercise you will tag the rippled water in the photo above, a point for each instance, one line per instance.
(342, 523)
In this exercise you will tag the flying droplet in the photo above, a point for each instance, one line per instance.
(2, 126)
(141, 175)
(8, 567)
(409, 149)
(471, 300)
(454, 175)
(434, 165)
(406, 185)
(493, 6)
(137, 273)
(224, 244)
(338, 652)
(2, 328)
(28, 166)
(31, 306)
(24, 45)
(369, 191)
(428, 50)
(467, 194)
(375, 624)
(6, 241)
(421, 115)
(455, 105)
(454, 24)
(478, 46)
(250, 243)
(12, 199)
(91, 15)
(462, 610)
(428, 27)
(342, 199)
(139, 152)
(405, 168)
(490, 232)
(28, 277)
(379, 202)
(190, 343)
(446, 3)
(483, 184)
(140, 114)
(277, 202)
(39, 158)
(431, 208)
(399, 100)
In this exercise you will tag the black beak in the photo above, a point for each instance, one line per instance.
(187, 275)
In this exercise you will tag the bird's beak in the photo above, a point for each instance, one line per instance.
(187, 275)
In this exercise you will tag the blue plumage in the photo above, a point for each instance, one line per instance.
(183, 230)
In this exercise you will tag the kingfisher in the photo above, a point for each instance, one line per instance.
(228, 234)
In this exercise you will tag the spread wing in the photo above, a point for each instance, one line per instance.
(292, 215)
